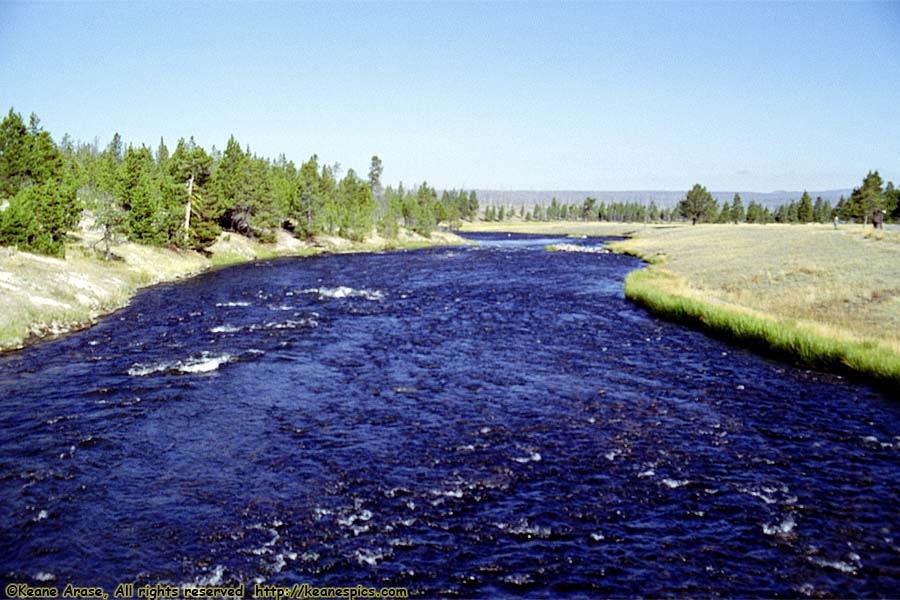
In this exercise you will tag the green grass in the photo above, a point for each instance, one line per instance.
(782, 338)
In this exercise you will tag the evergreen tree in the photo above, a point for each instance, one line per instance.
(306, 207)
(162, 155)
(32, 171)
(389, 223)
(18, 225)
(698, 205)
(263, 207)
(188, 213)
(737, 209)
(45, 161)
(103, 199)
(473, 204)
(14, 154)
(587, 209)
(328, 193)
(138, 196)
(357, 206)
(425, 199)
(725, 215)
(228, 188)
(36, 220)
(892, 201)
(752, 212)
(376, 168)
(866, 199)
(805, 209)
(818, 209)
(840, 210)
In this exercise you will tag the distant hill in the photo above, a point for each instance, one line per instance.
(662, 198)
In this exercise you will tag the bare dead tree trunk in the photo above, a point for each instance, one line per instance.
(187, 209)
(106, 240)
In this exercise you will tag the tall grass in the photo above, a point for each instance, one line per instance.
(666, 295)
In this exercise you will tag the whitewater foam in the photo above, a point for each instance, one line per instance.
(365, 556)
(344, 292)
(225, 329)
(781, 529)
(205, 363)
(675, 483)
(577, 248)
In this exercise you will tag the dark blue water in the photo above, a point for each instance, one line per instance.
(484, 421)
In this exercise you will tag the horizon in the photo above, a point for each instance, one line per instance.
(494, 96)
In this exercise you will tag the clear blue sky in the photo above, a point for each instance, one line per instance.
(509, 95)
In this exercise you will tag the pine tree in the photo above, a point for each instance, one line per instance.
(162, 155)
(190, 216)
(306, 206)
(426, 197)
(473, 204)
(892, 200)
(587, 209)
(698, 205)
(737, 210)
(18, 225)
(866, 199)
(328, 195)
(818, 209)
(229, 188)
(805, 209)
(45, 161)
(375, 171)
(139, 195)
(14, 154)
(357, 206)
(725, 215)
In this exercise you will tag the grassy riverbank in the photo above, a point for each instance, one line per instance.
(808, 293)
(43, 297)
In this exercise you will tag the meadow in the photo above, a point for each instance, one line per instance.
(815, 295)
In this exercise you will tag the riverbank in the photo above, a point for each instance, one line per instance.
(43, 297)
(810, 294)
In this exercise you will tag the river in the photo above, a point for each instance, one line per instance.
(479, 422)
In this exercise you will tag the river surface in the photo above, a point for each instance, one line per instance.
(476, 422)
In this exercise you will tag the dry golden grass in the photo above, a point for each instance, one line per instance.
(845, 282)
(42, 296)
(556, 227)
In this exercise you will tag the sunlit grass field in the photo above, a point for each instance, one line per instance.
(820, 296)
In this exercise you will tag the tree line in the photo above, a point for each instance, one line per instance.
(185, 198)
(699, 206)
(869, 199)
